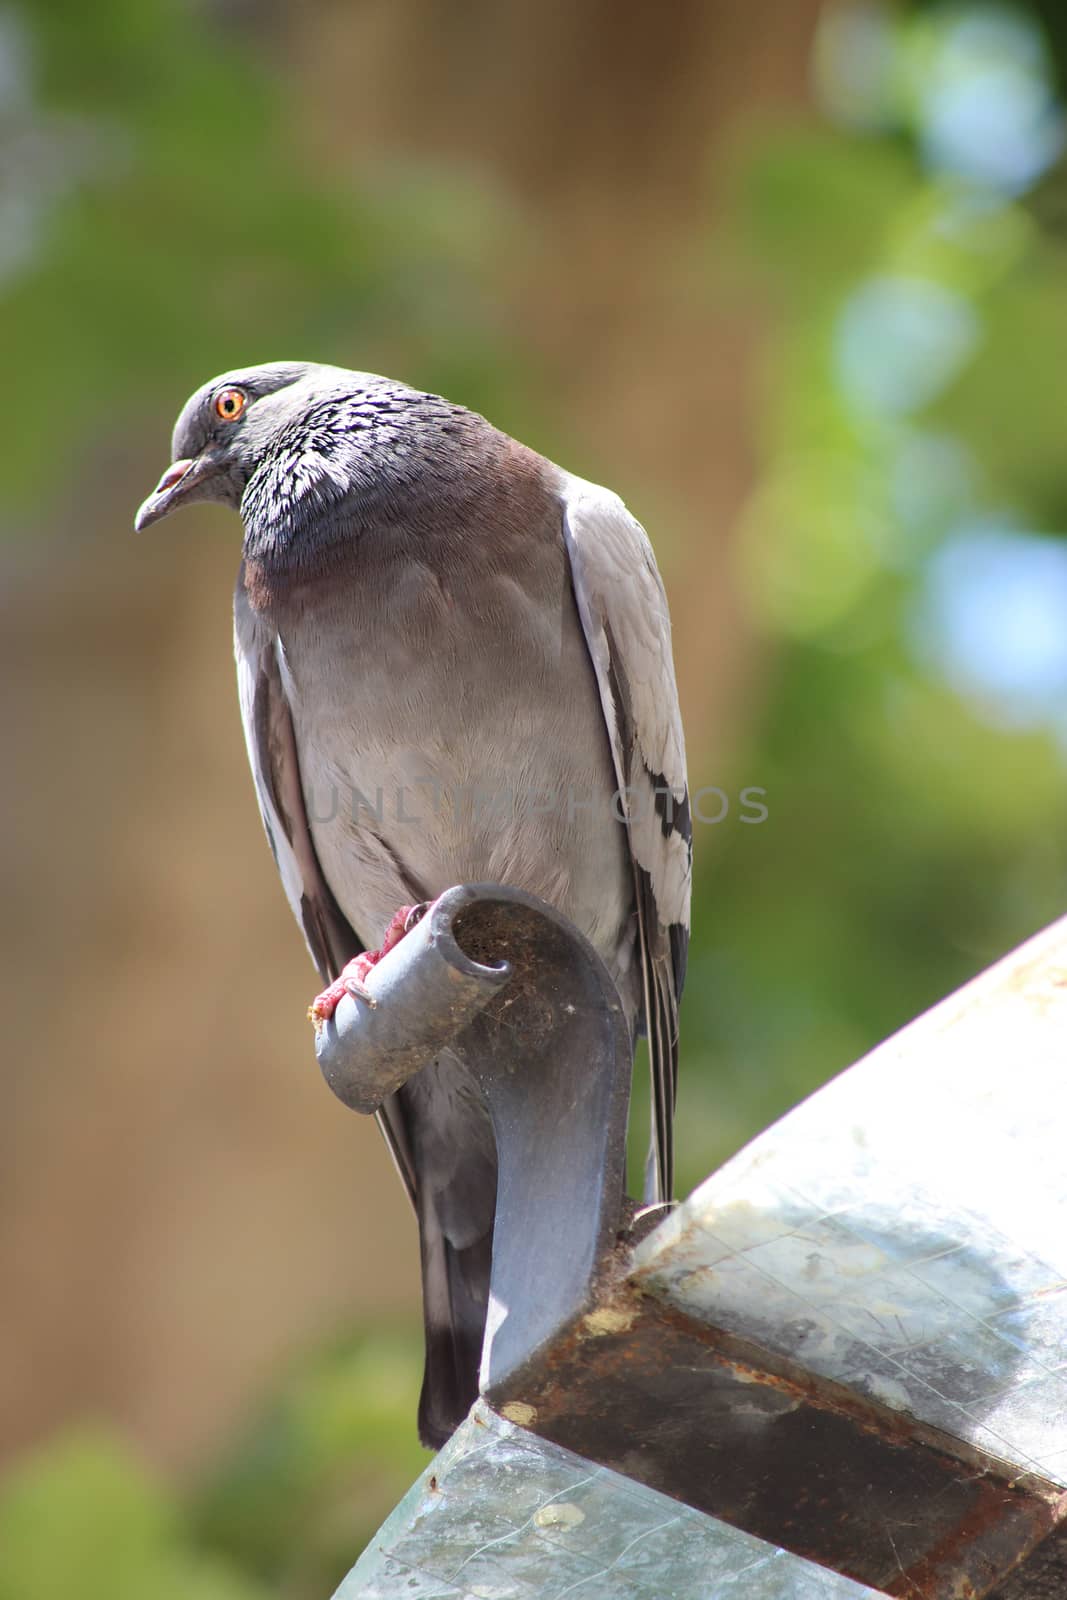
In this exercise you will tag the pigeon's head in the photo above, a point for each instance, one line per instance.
(231, 425)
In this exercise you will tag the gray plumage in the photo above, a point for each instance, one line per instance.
(454, 665)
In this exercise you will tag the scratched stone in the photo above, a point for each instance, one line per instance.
(1038, 1325)
(914, 1208)
(473, 1536)
(382, 1577)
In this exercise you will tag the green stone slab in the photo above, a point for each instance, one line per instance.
(503, 1515)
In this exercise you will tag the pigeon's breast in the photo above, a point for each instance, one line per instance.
(449, 730)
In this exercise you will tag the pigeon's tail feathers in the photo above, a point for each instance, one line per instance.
(442, 1129)
(455, 1294)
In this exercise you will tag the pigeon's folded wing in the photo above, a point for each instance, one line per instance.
(272, 754)
(627, 628)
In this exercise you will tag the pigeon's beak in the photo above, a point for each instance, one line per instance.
(175, 487)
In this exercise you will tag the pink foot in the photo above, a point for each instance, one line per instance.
(352, 978)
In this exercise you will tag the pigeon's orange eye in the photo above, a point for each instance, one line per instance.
(229, 403)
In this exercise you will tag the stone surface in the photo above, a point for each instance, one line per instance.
(503, 1515)
(904, 1231)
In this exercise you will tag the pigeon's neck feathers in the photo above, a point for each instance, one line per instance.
(385, 470)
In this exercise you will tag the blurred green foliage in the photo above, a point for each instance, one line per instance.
(84, 1517)
(161, 216)
(314, 1475)
(914, 736)
(909, 402)
(299, 1493)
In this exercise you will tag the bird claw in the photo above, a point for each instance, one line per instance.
(352, 978)
(359, 991)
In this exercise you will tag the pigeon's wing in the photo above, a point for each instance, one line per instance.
(272, 754)
(624, 616)
(436, 1125)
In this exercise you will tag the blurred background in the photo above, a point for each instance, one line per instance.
(790, 277)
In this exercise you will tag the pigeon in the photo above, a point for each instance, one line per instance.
(454, 665)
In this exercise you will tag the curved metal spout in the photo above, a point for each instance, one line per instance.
(427, 989)
(522, 999)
